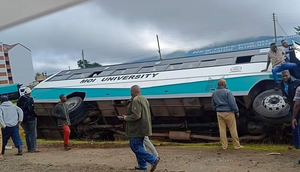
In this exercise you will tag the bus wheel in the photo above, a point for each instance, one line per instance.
(77, 109)
(271, 105)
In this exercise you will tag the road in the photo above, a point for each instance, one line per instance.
(174, 159)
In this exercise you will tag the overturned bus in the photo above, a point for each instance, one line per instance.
(179, 91)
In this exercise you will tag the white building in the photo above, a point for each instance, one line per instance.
(15, 64)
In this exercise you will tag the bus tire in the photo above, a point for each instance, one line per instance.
(77, 109)
(271, 105)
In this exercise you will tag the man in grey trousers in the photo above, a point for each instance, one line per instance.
(148, 144)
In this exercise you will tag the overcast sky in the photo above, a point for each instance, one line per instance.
(116, 31)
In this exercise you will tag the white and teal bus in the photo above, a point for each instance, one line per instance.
(179, 91)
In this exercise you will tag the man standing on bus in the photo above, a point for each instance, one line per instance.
(288, 88)
(223, 102)
(26, 103)
(287, 49)
(138, 125)
(61, 112)
(277, 57)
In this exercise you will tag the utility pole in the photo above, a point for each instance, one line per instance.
(274, 22)
(159, 52)
(83, 61)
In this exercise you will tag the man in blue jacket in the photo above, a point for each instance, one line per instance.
(288, 88)
(223, 102)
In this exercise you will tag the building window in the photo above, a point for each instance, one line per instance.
(5, 54)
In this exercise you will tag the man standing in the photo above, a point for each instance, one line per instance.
(223, 102)
(61, 112)
(26, 103)
(287, 49)
(288, 87)
(2, 126)
(138, 125)
(276, 56)
(13, 116)
(296, 110)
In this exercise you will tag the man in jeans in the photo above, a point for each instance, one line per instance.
(26, 103)
(288, 88)
(296, 110)
(277, 57)
(13, 116)
(61, 112)
(138, 125)
(223, 102)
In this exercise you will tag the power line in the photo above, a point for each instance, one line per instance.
(281, 28)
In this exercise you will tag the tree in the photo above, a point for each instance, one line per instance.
(297, 30)
(88, 64)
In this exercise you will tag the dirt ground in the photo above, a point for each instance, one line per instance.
(172, 159)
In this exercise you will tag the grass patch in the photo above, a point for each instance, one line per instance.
(121, 144)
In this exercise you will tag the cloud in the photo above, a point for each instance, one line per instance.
(121, 31)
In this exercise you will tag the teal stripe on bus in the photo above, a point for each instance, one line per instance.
(238, 84)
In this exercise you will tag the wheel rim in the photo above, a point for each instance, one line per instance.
(71, 103)
(274, 103)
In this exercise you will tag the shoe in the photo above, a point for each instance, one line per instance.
(20, 152)
(240, 147)
(154, 165)
(277, 87)
(291, 147)
(66, 148)
(36, 151)
(138, 168)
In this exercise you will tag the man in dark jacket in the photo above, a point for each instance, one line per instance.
(26, 103)
(138, 125)
(288, 87)
(61, 112)
(223, 102)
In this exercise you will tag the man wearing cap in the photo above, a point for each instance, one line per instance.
(13, 116)
(26, 103)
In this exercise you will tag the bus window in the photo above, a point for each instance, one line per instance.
(206, 63)
(243, 59)
(174, 66)
(79, 75)
(119, 72)
(159, 68)
(130, 71)
(59, 77)
(146, 69)
(189, 65)
(105, 73)
(259, 58)
(225, 61)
